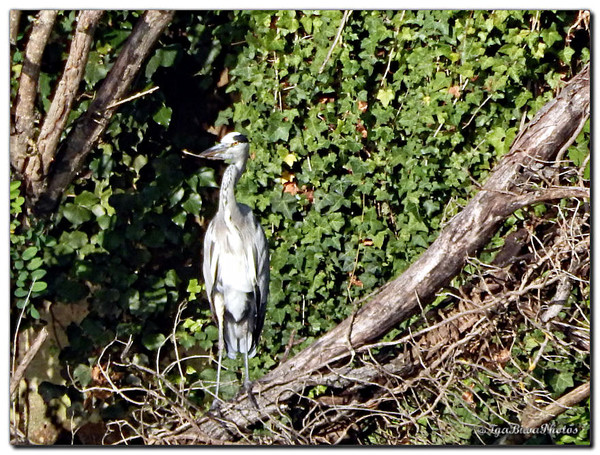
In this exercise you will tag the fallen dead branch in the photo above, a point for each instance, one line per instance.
(567, 401)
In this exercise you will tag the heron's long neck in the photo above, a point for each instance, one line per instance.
(227, 202)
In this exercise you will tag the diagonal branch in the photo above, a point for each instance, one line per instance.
(31, 353)
(14, 18)
(70, 159)
(535, 418)
(538, 418)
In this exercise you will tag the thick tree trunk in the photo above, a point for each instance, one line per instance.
(548, 134)
(21, 136)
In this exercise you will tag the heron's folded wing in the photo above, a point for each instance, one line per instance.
(211, 262)
(261, 265)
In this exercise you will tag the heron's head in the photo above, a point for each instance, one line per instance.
(233, 147)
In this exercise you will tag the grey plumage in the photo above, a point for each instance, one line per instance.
(236, 261)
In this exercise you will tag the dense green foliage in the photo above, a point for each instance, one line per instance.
(27, 272)
(359, 156)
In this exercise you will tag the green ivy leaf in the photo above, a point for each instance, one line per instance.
(193, 204)
(385, 95)
(39, 286)
(86, 199)
(29, 253)
(171, 279)
(180, 219)
(164, 57)
(96, 69)
(82, 374)
(153, 341)
(141, 160)
(285, 204)
(163, 116)
(76, 214)
(561, 381)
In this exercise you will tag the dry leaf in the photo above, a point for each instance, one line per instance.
(223, 78)
(355, 281)
(362, 130)
(455, 91)
(290, 187)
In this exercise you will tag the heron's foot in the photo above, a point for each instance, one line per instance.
(215, 407)
(248, 389)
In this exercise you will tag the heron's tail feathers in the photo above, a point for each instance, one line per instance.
(240, 324)
(238, 339)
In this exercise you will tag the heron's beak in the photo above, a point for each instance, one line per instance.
(216, 152)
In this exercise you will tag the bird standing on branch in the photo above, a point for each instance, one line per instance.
(236, 262)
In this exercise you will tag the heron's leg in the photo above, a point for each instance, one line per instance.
(246, 376)
(247, 383)
(219, 363)
(220, 312)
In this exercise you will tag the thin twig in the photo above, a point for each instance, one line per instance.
(389, 62)
(489, 97)
(337, 38)
(132, 97)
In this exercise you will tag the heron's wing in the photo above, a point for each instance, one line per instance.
(261, 266)
(211, 261)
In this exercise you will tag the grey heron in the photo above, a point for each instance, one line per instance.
(236, 262)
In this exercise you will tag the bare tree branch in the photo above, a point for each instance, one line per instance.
(24, 113)
(31, 352)
(553, 410)
(88, 129)
(550, 194)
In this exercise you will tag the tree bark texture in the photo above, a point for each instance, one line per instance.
(24, 109)
(66, 91)
(69, 160)
(552, 129)
(13, 24)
